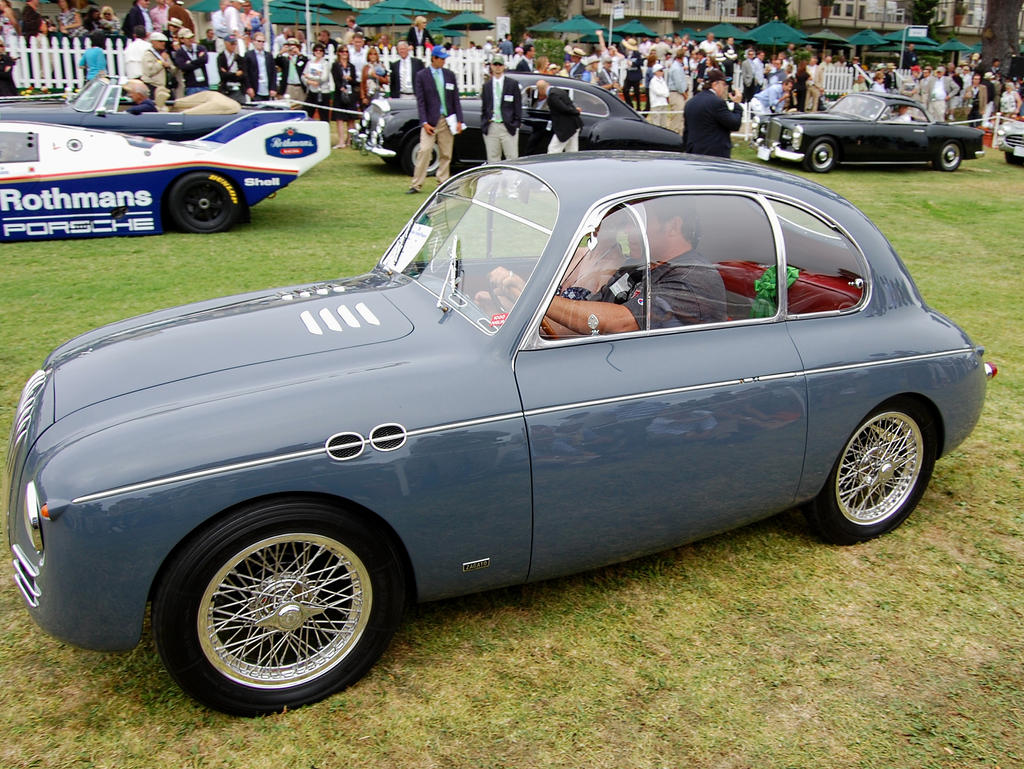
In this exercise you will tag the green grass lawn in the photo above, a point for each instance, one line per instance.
(758, 648)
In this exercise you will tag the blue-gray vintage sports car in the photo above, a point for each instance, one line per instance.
(539, 377)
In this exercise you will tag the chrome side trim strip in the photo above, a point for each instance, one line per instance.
(520, 415)
(199, 474)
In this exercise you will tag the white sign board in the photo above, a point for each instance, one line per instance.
(502, 27)
(618, 12)
(917, 31)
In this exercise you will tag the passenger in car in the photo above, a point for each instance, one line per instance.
(684, 287)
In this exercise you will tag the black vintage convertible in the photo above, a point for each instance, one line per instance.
(392, 130)
(866, 128)
(99, 105)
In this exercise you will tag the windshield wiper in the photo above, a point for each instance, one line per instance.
(452, 279)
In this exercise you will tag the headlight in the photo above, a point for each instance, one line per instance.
(1001, 131)
(787, 135)
(798, 134)
(34, 514)
(754, 120)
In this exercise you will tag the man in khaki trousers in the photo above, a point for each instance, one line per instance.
(440, 112)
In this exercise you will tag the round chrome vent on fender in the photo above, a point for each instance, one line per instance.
(343, 446)
(388, 437)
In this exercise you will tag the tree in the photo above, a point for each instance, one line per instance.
(922, 12)
(772, 9)
(523, 13)
(1000, 37)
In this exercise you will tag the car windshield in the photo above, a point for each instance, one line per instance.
(491, 224)
(859, 106)
(90, 96)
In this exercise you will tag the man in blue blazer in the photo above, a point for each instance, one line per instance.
(709, 119)
(500, 125)
(440, 119)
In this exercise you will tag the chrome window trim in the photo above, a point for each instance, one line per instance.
(523, 414)
(532, 340)
(482, 324)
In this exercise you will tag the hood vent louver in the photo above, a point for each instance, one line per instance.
(388, 437)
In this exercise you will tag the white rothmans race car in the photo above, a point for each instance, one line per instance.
(64, 182)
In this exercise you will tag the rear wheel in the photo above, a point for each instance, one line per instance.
(821, 157)
(949, 156)
(277, 606)
(203, 202)
(879, 476)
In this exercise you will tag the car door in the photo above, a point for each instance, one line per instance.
(644, 440)
(903, 139)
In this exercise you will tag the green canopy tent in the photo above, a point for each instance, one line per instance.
(919, 42)
(688, 31)
(724, 30)
(466, 21)
(577, 25)
(293, 16)
(421, 7)
(955, 47)
(382, 18)
(866, 37)
(775, 33)
(826, 36)
(544, 26)
(633, 27)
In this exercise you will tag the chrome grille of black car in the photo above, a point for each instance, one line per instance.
(774, 131)
(23, 415)
(1014, 140)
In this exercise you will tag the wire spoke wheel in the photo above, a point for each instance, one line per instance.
(879, 476)
(879, 468)
(284, 610)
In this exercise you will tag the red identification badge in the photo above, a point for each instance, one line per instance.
(498, 319)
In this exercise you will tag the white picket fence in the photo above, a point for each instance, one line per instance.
(54, 66)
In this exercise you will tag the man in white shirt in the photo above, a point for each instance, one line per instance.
(403, 71)
(133, 53)
(233, 18)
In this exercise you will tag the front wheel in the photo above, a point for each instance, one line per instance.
(409, 152)
(1012, 159)
(276, 606)
(821, 157)
(203, 202)
(949, 157)
(879, 476)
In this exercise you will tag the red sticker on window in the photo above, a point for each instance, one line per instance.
(498, 319)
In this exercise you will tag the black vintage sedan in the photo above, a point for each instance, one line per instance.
(866, 128)
(98, 106)
(608, 124)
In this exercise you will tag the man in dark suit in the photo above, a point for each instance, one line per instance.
(565, 118)
(403, 71)
(191, 60)
(137, 16)
(710, 119)
(440, 112)
(526, 63)
(500, 124)
(231, 67)
(260, 72)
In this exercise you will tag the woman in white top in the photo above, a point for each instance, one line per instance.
(317, 77)
(657, 95)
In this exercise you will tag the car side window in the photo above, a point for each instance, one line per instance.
(824, 271)
(19, 147)
(670, 261)
(588, 103)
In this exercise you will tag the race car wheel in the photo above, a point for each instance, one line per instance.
(821, 156)
(879, 476)
(1016, 160)
(277, 605)
(409, 150)
(203, 202)
(949, 157)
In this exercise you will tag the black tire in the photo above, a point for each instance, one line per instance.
(277, 605)
(879, 476)
(950, 156)
(822, 156)
(1016, 160)
(409, 150)
(203, 202)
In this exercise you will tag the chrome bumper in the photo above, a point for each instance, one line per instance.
(773, 150)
